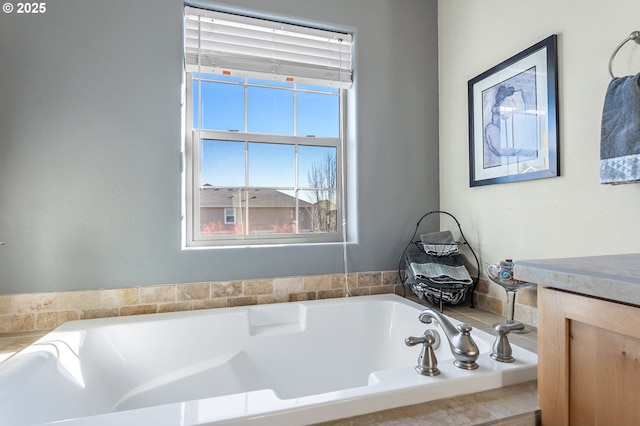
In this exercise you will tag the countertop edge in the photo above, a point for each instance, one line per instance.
(622, 287)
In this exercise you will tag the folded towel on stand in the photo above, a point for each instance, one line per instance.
(439, 270)
(439, 243)
(620, 133)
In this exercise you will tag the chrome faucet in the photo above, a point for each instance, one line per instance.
(427, 361)
(501, 347)
(464, 349)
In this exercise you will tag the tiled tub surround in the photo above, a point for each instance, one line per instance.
(46, 311)
(514, 405)
(399, 312)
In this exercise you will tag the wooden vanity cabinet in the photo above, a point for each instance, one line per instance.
(588, 360)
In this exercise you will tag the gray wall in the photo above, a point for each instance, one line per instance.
(90, 144)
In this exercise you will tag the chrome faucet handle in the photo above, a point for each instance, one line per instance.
(501, 347)
(427, 361)
(464, 328)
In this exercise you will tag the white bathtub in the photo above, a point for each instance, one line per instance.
(285, 364)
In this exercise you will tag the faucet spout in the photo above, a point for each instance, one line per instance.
(464, 349)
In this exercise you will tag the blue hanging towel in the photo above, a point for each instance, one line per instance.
(620, 134)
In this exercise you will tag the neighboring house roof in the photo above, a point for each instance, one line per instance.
(216, 197)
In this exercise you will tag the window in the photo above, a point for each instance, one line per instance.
(263, 138)
(229, 216)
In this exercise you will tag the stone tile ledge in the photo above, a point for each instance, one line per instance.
(26, 312)
(515, 405)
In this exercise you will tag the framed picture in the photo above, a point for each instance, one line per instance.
(513, 118)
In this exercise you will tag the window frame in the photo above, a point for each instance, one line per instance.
(192, 237)
(229, 215)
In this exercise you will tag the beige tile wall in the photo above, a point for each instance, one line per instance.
(45, 311)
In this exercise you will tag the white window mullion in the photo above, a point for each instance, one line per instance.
(295, 109)
(296, 191)
(246, 187)
(246, 107)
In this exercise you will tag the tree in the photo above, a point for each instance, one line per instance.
(322, 212)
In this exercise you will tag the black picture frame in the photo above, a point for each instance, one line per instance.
(513, 118)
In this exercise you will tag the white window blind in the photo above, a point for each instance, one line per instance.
(222, 43)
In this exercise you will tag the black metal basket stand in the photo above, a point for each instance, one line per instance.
(438, 293)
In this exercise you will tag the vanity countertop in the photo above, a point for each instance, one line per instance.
(614, 277)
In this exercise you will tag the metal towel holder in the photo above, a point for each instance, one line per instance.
(635, 36)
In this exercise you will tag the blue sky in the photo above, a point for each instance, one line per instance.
(270, 110)
(270, 165)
